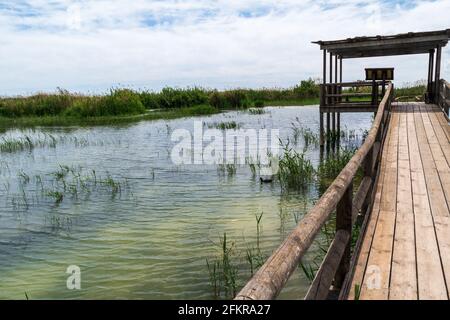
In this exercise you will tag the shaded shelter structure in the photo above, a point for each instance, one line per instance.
(335, 95)
(393, 194)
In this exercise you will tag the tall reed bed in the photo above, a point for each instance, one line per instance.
(119, 101)
(295, 171)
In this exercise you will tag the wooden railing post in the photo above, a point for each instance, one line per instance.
(368, 164)
(344, 211)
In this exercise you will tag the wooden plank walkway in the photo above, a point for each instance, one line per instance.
(405, 253)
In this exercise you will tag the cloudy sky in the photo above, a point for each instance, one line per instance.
(90, 46)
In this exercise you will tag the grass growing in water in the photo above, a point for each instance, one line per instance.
(254, 255)
(67, 182)
(223, 272)
(12, 145)
(256, 111)
(225, 125)
(57, 195)
(227, 168)
(295, 170)
(332, 165)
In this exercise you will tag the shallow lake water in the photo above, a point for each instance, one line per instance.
(111, 201)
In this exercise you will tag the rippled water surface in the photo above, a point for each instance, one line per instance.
(148, 236)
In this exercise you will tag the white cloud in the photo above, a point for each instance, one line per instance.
(93, 45)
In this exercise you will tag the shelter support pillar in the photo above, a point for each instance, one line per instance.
(429, 97)
(437, 73)
(322, 98)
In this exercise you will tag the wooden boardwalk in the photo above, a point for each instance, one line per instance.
(405, 252)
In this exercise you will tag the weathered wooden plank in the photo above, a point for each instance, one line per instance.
(403, 283)
(321, 285)
(376, 279)
(440, 148)
(435, 191)
(436, 195)
(439, 125)
(442, 227)
(361, 264)
(430, 277)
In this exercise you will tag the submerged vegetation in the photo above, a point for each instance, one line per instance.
(126, 105)
(66, 182)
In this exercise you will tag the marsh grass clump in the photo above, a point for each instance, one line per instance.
(256, 111)
(57, 195)
(114, 185)
(32, 140)
(295, 171)
(254, 255)
(117, 102)
(11, 145)
(228, 169)
(223, 271)
(259, 103)
(25, 178)
(66, 182)
(309, 137)
(58, 222)
(225, 125)
(300, 131)
(333, 164)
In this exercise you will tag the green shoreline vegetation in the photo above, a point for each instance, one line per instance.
(121, 106)
(64, 108)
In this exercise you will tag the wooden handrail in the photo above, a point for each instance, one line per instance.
(353, 84)
(443, 97)
(273, 275)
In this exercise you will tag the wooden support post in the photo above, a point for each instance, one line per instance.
(368, 164)
(324, 81)
(340, 92)
(344, 222)
(338, 122)
(331, 77)
(340, 76)
(369, 167)
(333, 123)
(328, 127)
(336, 69)
(322, 140)
(335, 91)
(437, 74)
(430, 77)
(374, 94)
